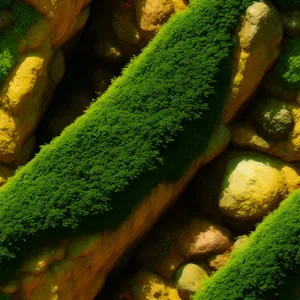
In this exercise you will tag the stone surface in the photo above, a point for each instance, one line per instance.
(244, 135)
(200, 237)
(83, 273)
(6, 19)
(188, 279)
(291, 19)
(272, 118)
(252, 186)
(259, 35)
(152, 14)
(149, 286)
(218, 261)
(62, 14)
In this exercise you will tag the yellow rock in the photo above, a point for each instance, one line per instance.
(60, 13)
(252, 186)
(152, 14)
(149, 286)
(259, 34)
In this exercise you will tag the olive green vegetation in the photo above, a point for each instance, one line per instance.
(288, 65)
(24, 16)
(148, 127)
(263, 266)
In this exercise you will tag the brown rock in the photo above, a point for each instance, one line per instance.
(201, 237)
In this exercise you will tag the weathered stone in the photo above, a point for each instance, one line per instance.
(188, 279)
(152, 14)
(149, 286)
(272, 118)
(291, 19)
(252, 186)
(217, 261)
(61, 14)
(6, 19)
(259, 35)
(200, 237)
(244, 135)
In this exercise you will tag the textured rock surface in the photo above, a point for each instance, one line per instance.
(151, 14)
(149, 286)
(272, 118)
(62, 15)
(87, 261)
(188, 279)
(201, 237)
(244, 135)
(29, 87)
(259, 35)
(252, 186)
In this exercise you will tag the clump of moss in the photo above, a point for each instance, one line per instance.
(288, 65)
(147, 128)
(24, 16)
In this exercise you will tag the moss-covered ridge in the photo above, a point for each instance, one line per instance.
(148, 127)
(24, 16)
(272, 253)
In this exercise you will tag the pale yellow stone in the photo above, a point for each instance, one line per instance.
(149, 286)
(252, 186)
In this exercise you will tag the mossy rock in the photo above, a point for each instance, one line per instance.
(272, 119)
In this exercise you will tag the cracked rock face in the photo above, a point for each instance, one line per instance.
(251, 187)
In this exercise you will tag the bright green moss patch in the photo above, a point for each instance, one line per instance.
(24, 16)
(288, 65)
(261, 268)
(147, 128)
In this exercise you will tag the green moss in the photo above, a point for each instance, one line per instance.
(24, 16)
(288, 65)
(148, 127)
(259, 269)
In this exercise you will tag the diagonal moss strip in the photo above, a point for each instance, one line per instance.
(148, 127)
